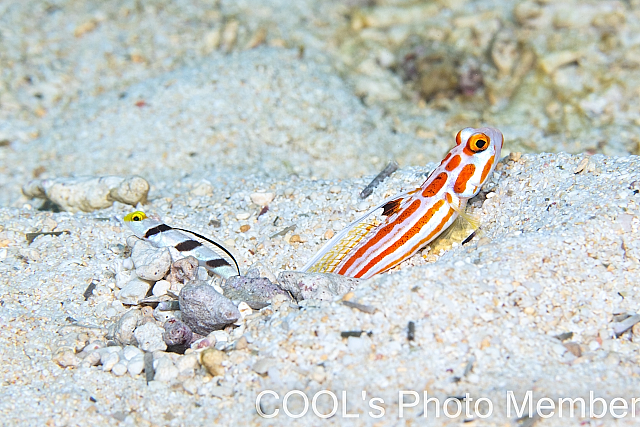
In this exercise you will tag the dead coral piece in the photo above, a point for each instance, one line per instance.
(151, 263)
(257, 292)
(320, 286)
(88, 194)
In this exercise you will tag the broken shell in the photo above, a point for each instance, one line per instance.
(177, 335)
(245, 310)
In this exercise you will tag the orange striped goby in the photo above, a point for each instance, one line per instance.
(411, 220)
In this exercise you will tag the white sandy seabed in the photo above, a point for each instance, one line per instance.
(560, 253)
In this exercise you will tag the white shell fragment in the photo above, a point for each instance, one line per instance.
(245, 311)
(320, 286)
(151, 263)
(88, 194)
(626, 324)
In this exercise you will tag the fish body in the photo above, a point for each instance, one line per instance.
(162, 235)
(411, 220)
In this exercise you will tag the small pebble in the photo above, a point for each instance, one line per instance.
(212, 359)
(362, 206)
(133, 291)
(149, 337)
(329, 234)
(335, 189)
(127, 264)
(262, 199)
(130, 351)
(66, 359)
(241, 343)
(183, 270)
(245, 310)
(574, 348)
(119, 369)
(262, 366)
(147, 311)
(188, 362)
(244, 228)
(243, 215)
(161, 287)
(136, 365)
(124, 327)
(109, 361)
(295, 239)
(191, 385)
(165, 370)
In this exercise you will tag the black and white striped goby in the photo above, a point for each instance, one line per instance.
(162, 235)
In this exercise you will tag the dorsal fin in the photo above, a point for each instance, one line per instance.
(330, 255)
(391, 207)
(333, 257)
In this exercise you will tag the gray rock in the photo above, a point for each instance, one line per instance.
(255, 291)
(151, 263)
(204, 310)
(149, 337)
(124, 327)
(320, 286)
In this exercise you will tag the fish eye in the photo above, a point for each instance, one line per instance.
(478, 142)
(135, 216)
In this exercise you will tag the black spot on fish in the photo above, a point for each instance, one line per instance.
(155, 230)
(215, 263)
(187, 245)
